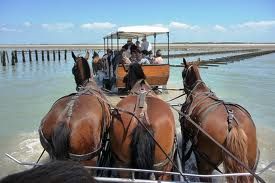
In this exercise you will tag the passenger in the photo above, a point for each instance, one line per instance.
(128, 46)
(97, 63)
(126, 49)
(145, 58)
(125, 59)
(145, 45)
(138, 45)
(135, 56)
(158, 59)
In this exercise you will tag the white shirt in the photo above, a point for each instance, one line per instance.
(145, 45)
(144, 61)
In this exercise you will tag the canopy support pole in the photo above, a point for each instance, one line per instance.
(155, 35)
(117, 41)
(104, 49)
(168, 38)
(112, 42)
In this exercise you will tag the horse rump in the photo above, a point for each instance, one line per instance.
(142, 150)
(236, 143)
(53, 172)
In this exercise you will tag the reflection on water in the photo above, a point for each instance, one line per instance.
(29, 89)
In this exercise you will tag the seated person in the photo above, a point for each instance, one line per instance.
(97, 64)
(125, 59)
(158, 59)
(138, 45)
(145, 57)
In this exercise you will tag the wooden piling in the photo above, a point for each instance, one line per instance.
(65, 55)
(12, 58)
(53, 55)
(42, 55)
(23, 56)
(7, 55)
(48, 55)
(3, 58)
(15, 56)
(30, 55)
(36, 55)
(59, 55)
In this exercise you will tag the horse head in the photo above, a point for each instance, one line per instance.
(135, 73)
(81, 69)
(190, 75)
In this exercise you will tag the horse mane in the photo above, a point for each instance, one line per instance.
(135, 74)
(86, 68)
(76, 71)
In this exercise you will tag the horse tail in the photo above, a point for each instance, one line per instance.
(142, 148)
(60, 140)
(236, 143)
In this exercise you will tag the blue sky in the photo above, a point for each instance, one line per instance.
(87, 21)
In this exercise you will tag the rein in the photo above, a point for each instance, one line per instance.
(138, 120)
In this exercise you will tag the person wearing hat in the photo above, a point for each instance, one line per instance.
(145, 45)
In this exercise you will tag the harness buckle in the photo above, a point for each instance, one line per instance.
(230, 115)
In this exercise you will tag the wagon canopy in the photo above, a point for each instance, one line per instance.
(137, 32)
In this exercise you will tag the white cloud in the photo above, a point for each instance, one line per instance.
(27, 24)
(98, 25)
(256, 25)
(179, 25)
(157, 25)
(219, 28)
(5, 29)
(58, 26)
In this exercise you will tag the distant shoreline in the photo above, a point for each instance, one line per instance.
(179, 45)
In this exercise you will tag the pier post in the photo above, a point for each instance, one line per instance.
(30, 55)
(59, 55)
(15, 56)
(36, 55)
(42, 52)
(7, 55)
(12, 58)
(65, 55)
(23, 56)
(53, 55)
(48, 55)
(3, 58)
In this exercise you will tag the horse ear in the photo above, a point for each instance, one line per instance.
(73, 55)
(184, 61)
(87, 55)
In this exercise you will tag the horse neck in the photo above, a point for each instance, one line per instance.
(196, 84)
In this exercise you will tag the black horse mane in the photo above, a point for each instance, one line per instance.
(53, 172)
(86, 68)
(135, 73)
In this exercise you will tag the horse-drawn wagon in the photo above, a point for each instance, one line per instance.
(134, 142)
(156, 74)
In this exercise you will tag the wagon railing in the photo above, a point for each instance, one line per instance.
(133, 171)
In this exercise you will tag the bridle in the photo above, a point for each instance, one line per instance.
(187, 88)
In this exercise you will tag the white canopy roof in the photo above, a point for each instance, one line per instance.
(137, 31)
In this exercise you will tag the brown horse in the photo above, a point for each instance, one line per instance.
(229, 124)
(131, 143)
(75, 125)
